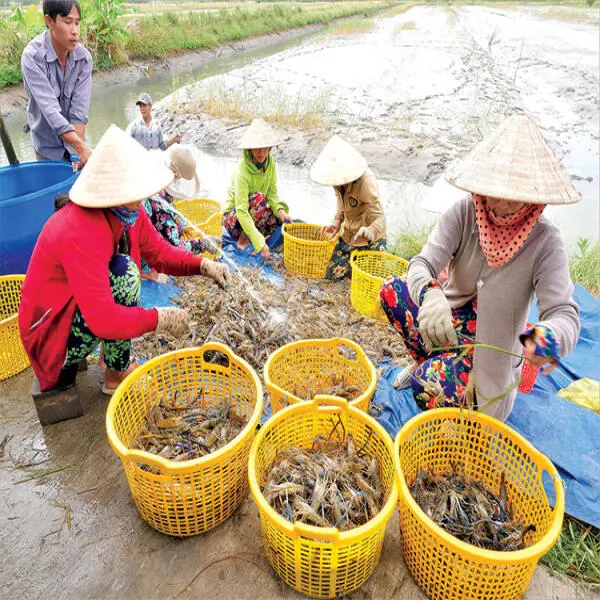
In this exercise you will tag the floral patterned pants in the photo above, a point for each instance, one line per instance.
(126, 287)
(262, 215)
(339, 265)
(446, 372)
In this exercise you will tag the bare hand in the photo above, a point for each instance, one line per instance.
(283, 216)
(538, 361)
(177, 137)
(84, 155)
(331, 230)
(265, 252)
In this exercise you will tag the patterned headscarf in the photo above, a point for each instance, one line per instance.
(501, 237)
(127, 216)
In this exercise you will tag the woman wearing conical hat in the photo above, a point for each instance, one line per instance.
(501, 252)
(253, 210)
(83, 282)
(167, 220)
(358, 207)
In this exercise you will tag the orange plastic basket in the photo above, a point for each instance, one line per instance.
(13, 358)
(312, 364)
(321, 562)
(443, 566)
(188, 497)
(369, 269)
(306, 250)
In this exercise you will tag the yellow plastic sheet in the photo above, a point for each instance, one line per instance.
(585, 392)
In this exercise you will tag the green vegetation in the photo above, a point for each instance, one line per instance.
(576, 553)
(349, 26)
(103, 34)
(409, 243)
(15, 31)
(585, 265)
(158, 35)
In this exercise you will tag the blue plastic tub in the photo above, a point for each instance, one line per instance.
(27, 193)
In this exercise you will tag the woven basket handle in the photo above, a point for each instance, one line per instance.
(332, 402)
(217, 347)
(146, 458)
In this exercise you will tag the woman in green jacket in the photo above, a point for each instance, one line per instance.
(253, 210)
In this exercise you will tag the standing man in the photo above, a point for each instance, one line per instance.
(146, 131)
(57, 73)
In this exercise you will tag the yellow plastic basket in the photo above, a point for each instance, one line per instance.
(369, 269)
(318, 561)
(316, 361)
(212, 226)
(199, 210)
(188, 497)
(13, 358)
(443, 566)
(306, 250)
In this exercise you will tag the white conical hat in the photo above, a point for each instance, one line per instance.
(339, 163)
(119, 171)
(515, 163)
(259, 135)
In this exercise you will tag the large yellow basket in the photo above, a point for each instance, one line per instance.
(197, 211)
(321, 562)
(13, 358)
(447, 568)
(189, 497)
(369, 269)
(313, 363)
(306, 250)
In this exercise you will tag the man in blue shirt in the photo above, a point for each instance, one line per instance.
(146, 131)
(57, 73)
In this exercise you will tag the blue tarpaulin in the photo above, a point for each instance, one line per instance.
(568, 434)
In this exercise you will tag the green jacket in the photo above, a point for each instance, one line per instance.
(248, 180)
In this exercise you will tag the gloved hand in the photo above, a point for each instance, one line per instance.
(366, 233)
(435, 320)
(218, 272)
(211, 244)
(173, 321)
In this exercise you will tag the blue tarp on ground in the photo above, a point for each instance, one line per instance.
(568, 434)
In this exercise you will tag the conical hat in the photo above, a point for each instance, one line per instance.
(259, 135)
(339, 163)
(515, 163)
(119, 171)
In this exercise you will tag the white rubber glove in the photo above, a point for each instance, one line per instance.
(172, 321)
(218, 272)
(366, 233)
(435, 320)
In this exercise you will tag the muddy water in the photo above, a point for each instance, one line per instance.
(413, 94)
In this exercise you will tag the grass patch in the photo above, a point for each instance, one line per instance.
(350, 26)
(398, 9)
(584, 266)
(576, 553)
(408, 26)
(171, 32)
(409, 243)
(305, 110)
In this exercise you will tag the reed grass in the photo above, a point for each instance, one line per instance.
(351, 26)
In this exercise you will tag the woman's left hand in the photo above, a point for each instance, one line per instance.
(283, 216)
(538, 361)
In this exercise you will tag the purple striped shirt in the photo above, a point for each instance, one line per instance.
(57, 97)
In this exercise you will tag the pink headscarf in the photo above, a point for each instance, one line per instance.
(501, 237)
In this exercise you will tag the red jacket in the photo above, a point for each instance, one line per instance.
(69, 269)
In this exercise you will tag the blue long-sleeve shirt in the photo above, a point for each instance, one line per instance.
(57, 97)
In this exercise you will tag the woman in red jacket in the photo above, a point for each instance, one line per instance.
(83, 282)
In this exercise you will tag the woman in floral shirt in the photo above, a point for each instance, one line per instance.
(501, 251)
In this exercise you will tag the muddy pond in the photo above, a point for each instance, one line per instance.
(412, 91)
